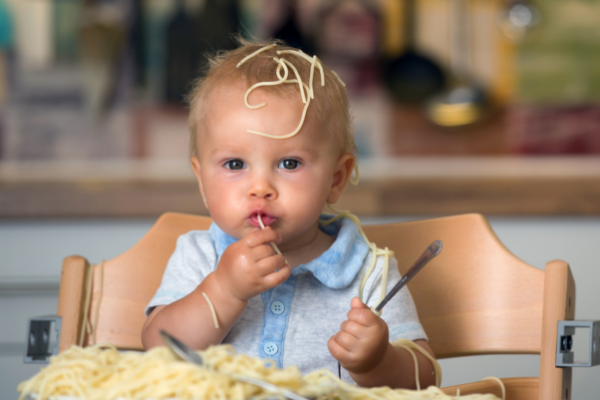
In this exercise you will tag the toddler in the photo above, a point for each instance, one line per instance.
(272, 144)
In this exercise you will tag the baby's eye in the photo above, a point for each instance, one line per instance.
(234, 165)
(289, 163)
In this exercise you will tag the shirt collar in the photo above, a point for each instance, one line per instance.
(336, 268)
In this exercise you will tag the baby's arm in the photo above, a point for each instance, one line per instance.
(362, 347)
(247, 268)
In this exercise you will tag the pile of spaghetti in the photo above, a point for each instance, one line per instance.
(103, 373)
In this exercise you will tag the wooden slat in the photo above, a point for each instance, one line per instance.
(559, 304)
(71, 299)
(121, 307)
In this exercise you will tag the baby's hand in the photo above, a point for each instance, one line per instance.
(249, 266)
(362, 340)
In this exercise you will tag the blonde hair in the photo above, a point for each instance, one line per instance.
(329, 106)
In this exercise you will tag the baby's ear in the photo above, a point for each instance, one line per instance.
(197, 169)
(341, 175)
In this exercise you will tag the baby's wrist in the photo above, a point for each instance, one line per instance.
(373, 367)
(223, 290)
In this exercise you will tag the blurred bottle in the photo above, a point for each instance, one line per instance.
(6, 39)
(35, 49)
(138, 26)
(192, 34)
(182, 54)
(156, 16)
(217, 23)
(102, 34)
(290, 31)
(66, 25)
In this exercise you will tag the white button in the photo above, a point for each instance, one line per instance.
(270, 348)
(277, 307)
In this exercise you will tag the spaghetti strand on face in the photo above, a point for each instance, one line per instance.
(262, 226)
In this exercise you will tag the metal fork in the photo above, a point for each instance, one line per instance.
(189, 355)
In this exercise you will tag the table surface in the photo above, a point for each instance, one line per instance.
(395, 186)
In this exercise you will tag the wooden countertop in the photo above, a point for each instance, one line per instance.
(400, 186)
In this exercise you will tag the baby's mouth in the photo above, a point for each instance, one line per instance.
(266, 220)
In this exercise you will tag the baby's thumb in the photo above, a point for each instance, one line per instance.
(357, 303)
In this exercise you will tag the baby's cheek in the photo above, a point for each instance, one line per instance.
(306, 203)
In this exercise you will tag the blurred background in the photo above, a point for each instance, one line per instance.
(502, 92)
(105, 79)
(489, 106)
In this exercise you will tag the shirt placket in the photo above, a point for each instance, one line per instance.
(278, 304)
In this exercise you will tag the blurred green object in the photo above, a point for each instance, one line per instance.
(102, 34)
(67, 15)
(559, 61)
(6, 26)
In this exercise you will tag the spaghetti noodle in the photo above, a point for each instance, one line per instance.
(500, 383)
(262, 226)
(100, 372)
(409, 345)
(212, 310)
(88, 327)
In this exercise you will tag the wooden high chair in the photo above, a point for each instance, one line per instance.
(474, 298)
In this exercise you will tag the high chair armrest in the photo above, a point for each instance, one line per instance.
(71, 299)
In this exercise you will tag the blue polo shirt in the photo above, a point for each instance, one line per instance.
(291, 323)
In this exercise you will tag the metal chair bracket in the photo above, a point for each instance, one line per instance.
(43, 337)
(564, 344)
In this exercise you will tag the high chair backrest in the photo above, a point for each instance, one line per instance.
(474, 298)
(128, 283)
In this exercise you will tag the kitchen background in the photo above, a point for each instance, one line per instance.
(488, 106)
(84, 79)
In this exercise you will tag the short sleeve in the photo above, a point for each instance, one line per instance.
(400, 313)
(193, 259)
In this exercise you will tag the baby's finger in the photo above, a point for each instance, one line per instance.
(363, 316)
(357, 303)
(347, 341)
(338, 351)
(270, 264)
(261, 236)
(353, 328)
(278, 277)
(262, 251)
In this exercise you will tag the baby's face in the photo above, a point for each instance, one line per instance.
(242, 175)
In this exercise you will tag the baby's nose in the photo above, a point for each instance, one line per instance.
(262, 188)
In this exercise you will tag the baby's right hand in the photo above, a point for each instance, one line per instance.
(249, 266)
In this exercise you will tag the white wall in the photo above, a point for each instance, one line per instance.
(33, 250)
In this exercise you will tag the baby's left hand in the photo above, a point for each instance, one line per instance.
(362, 340)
